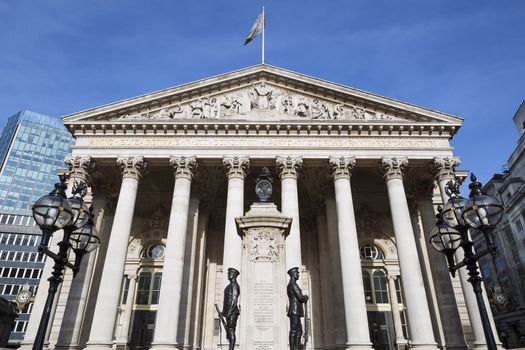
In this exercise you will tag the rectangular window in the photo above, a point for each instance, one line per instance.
(35, 273)
(27, 274)
(5, 272)
(25, 256)
(13, 272)
(125, 290)
(16, 287)
(143, 288)
(20, 273)
(155, 291)
(8, 288)
(11, 256)
(3, 255)
(18, 256)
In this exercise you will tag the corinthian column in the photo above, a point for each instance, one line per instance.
(444, 169)
(101, 336)
(357, 332)
(236, 169)
(288, 168)
(166, 323)
(420, 323)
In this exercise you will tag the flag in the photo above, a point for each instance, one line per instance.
(257, 28)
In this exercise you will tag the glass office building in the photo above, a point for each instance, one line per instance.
(32, 148)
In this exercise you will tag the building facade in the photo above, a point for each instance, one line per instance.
(505, 273)
(172, 175)
(32, 148)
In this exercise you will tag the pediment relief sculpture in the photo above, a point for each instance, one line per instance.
(259, 101)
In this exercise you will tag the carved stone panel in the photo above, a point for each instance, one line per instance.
(262, 101)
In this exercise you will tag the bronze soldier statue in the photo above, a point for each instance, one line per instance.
(230, 307)
(296, 299)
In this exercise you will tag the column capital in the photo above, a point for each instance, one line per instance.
(288, 167)
(132, 166)
(341, 167)
(80, 167)
(236, 167)
(443, 168)
(184, 167)
(393, 167)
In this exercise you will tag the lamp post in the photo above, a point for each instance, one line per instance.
(459, 216)
(57, 212)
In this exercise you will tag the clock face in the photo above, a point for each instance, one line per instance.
(23, 297)
(500, 299)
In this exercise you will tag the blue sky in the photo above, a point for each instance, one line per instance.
(462, 57)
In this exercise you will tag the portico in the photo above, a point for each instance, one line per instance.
(188, 156)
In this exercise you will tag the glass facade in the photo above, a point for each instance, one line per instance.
(32, 148)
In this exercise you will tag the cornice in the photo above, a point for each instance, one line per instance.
(260, 127)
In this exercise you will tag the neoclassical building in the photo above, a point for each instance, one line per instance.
(172, 174)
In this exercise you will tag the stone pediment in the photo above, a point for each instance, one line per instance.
(260, 93)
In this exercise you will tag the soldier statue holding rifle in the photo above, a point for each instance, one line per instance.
(296, 299)
(230, 307)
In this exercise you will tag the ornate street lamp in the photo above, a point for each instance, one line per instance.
(480, 212)
(56, 212)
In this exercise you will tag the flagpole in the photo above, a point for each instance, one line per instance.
(264, 25)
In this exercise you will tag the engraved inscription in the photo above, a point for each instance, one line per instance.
(263, 305)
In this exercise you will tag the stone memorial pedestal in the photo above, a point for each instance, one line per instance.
(263, 321)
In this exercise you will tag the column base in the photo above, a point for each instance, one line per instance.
(164, 346)
(423, 346)
(98, 345)
(456, 347)
(357, 346)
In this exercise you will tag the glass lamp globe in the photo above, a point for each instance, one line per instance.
(444, 239)
(481, 211)
(453, 212)
(81, 213)
(53, 212)
(84, 239)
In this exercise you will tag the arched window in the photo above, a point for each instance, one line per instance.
(371, 252)
(380, 287)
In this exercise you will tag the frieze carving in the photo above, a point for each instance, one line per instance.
(238, 142)
(444, 168)
(289, 166)
(236, 166)
(132, 166)
(260, 98)
(393, 167)
(263, 244)
(341, 167)
(80, 167)
(184, 166)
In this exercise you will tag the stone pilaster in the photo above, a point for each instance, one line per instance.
(401, 342)
(102, 328)
(166, 323)
(420, 324)
(353, 291)
(288, 169)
